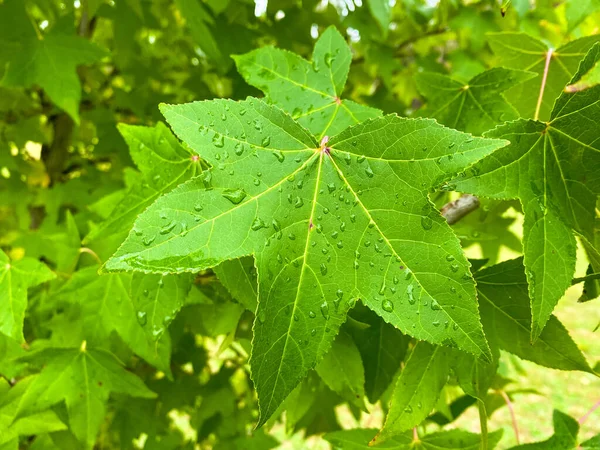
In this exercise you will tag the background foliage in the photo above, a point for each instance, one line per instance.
(161, 360)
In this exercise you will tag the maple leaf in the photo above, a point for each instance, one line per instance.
(84, 379)
(553, 168)
(138, 307)
(328, 223)
(310, 91)
(15, 278)
(535, 97)
(565, 434)
(475, 106)
(49, 62)
(164, 164)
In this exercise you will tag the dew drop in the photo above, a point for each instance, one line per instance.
(279, 155)
(218, 140)
(369, 172)
(449, 258)
(312, 314)
(142, 318)
(235, 196)
(266, 141)
(454, 267)
(323, 269)
(426, 223)
(257, 224)
(168, 228)
(325, 310)
(410, 294)
(387, 305)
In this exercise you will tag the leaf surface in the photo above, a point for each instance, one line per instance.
(83, 379)
(49, 62)
(506, 317)
(358, 439)
(164, 164)
(311, 91)
(553, 169)
(476, 106)
(524, 52)
(417, 390)
(15, 278)
(322, 222)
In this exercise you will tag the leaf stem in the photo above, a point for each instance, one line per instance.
(543, 86)
(589, 413)
(483, 425)
(513, 417)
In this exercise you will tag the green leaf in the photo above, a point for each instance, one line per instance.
(15, 278)
(475, 377)
(342, 370)
(475, 107)
(310, 91)
(553, 168)
(49, 62)
(84, 379)
(138, 307)
(382, 348)
(564, 438)
(506, 317)
(578, 10)
(12, 427)
(320, 223)
(164, 164)
(417, 390)
(358, 439)
(592, 444)
(523, 52)
(382, 13)
(239, 277)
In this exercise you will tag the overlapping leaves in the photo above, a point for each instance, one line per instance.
(552, 168)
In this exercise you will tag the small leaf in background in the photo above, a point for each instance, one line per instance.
(342, 370)
(506, 317)
(565, 434)
(417, 390)
(310, 91)
(84, 379)
(474, 107)
(49, 61)
(240, 279)
(553, 169)
(534, 98)
(15, 278)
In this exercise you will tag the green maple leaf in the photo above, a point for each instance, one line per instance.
(310, 91)
(553, 168)
(565, 434)
(164, 164)
(138, 307)
(417, 390)
(84, 379)
(358, 439)
(328, 223)
(49, 61)
(506, 317)
(476, 106)
(555, 67)
(15, 278)
(12, 427)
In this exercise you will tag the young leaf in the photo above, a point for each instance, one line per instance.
(15, 278)
(342, 370)
(476, 106)
(553, 168)
(506, 317)
(555, 67)
(83, 378)
(358, 439)
(565, 434)
(49, 62)
(591, 444)
(382, 13)
(138, 307)
(310, 91)
(320, 221)
(416, 391)
(164, 164)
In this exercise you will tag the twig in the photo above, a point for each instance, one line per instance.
(589, 413)
(456, 210)
(415, 435)
(512, 414)
(483, 425)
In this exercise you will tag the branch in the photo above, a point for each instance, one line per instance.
(456, 210)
